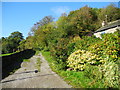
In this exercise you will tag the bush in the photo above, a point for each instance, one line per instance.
(107, 49)
(99, 60)
(111, 74)
(85, 42)
(95, 75)
(80, 58)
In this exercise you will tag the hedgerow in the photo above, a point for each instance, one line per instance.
(99, 61)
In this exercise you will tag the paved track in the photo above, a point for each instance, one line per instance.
(25, 77)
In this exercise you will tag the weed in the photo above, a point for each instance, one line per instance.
(38, 64)
(13, 71)
(26, 60)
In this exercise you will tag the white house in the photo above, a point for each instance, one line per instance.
(109, 28)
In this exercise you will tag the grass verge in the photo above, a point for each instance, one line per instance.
(38, 64)
(7, 54)
(26, 60)
(13, 71)
(76, 79)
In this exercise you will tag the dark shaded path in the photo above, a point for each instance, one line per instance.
(13, 62)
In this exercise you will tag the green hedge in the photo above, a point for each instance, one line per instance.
(103, 74)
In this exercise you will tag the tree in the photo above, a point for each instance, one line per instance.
(7, 46)
(29, 43)
(21, 46)
(46, 20)
(11, 43)
(81, 21)
(112, 12)
(15, 38)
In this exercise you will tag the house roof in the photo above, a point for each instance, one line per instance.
(110, 25)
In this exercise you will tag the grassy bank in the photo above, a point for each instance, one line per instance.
(94, 62)
(38, 64)
(76, 79)
(7, 54)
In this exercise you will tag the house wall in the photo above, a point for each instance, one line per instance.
(112, 30)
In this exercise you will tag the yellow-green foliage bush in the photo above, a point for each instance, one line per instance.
(110, 72)
(80, 58)
(105, 57)
(108, 49)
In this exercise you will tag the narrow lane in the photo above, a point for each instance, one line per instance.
(25, 77)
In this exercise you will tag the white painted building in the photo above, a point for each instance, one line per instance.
(109, 28)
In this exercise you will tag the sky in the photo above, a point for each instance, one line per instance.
(21, 16)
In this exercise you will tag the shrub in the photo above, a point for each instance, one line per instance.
(105, 76)
(85, 42)
(111, 74)
(80, 58)
(95, 76)
(107, 49)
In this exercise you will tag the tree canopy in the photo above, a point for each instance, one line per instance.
(47, 33)
(11, 43)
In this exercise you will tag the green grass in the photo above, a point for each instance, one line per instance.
(50, 59)
(37, 52)
(38, 64)
(71, 77)
(47, 56)
(8, 54)
(75, 79)
(26, 60)
(13, 71)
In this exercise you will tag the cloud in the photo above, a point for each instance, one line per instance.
(58, 10)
